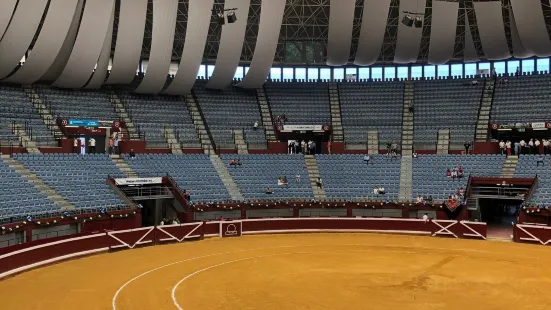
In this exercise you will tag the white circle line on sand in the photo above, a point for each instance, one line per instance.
(173, 293)
(117, 293)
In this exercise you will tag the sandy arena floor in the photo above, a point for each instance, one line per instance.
(308, 271)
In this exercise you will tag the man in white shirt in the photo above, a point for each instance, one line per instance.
(376, 190)
(531, 146)
(425, 217)
(537, 146)
(303, 147)
(366, 159)
(92, 145)
(502, 147)
(255, 126)
(522, 146)
(75, 145)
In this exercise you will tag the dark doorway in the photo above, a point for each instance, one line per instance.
(149, 212)
(499, 214)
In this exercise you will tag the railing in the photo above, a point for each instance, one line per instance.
(120, 193)
(147, 191)
(213, 143)
(504, 192)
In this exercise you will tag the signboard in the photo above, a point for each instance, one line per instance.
(521, 127)
(291, 128)
(83, 123)
(230, 229)
(138, 181)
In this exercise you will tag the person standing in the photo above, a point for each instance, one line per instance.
(329, 147)
(467, 146)
(545, 146)
(502, 147)
(92, 145)
(508, 147)
(75, 145)
(522, 147)
(537, 146)
(517, 148)
(531, 146)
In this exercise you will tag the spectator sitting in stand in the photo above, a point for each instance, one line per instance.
(381, 190)
(376, 190)
(186, 195)
(419, 199)
(233, 162)
(448, 173)
(454, 173)
(132, 154)
(268, 191)
(367, 159)
(297, 178)
(461, 192)
(459, 172)
(414, 154)
(255, 126)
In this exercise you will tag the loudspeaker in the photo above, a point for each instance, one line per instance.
(232, 18)
(220, 18)
(407, 20)
(418, 22)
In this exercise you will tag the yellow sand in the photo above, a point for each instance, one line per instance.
(309, 271)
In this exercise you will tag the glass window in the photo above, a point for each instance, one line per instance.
(201, 73)
(210, 69)
(403, 72)
(338, 74)
(430, 71)
(300, 73)
(512, 66)
(275, 74)
(238, 73)
(288, 73)
(351, 74)
(390, 73)
(457, 70)
(470, 69)
(528, 65)
(376, 73)
(246, 70)
(313, 74)
(543, 64)
(325, 73)
(444, 70)
(416, 71)
(484, 66)
(363, 73)
(499, 66)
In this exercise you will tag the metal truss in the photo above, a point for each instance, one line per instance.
(309, 20)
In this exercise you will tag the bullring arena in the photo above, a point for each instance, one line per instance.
(293, 265)
(275, 154)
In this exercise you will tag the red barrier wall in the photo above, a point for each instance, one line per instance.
(27, 256)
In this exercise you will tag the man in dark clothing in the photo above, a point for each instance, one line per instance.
(132, 153)
(467, 146)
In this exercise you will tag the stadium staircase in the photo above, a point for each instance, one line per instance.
(37, 182)
(314, 173)
(509, 167)
(172, 141)
(407, 120)
(123, 115)
(372, 142)
(336, 121)
(406, 178)
(25, 139)
(443, 143)
(266, 114)
(123, 165)
(207, 144)
(43, 111)
(226, 178)
(483, 121)
(239, 141)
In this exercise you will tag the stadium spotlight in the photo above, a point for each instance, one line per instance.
(418, 22)
(231, 17)
(407, 20)
(220, 18)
